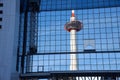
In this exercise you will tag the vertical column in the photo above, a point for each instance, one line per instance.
(9, 39)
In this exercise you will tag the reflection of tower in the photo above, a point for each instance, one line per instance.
(73, 26)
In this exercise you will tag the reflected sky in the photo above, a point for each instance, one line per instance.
(100, 25)
(52, 5)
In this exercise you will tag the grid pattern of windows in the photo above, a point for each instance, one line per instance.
(61, 62)
(101, 25)
(101, 31)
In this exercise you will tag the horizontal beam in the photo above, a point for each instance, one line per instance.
(82, 52)
(81, 73)
(52, 5)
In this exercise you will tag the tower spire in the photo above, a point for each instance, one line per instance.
(73, 13)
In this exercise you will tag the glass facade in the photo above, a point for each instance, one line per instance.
(98, 43)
